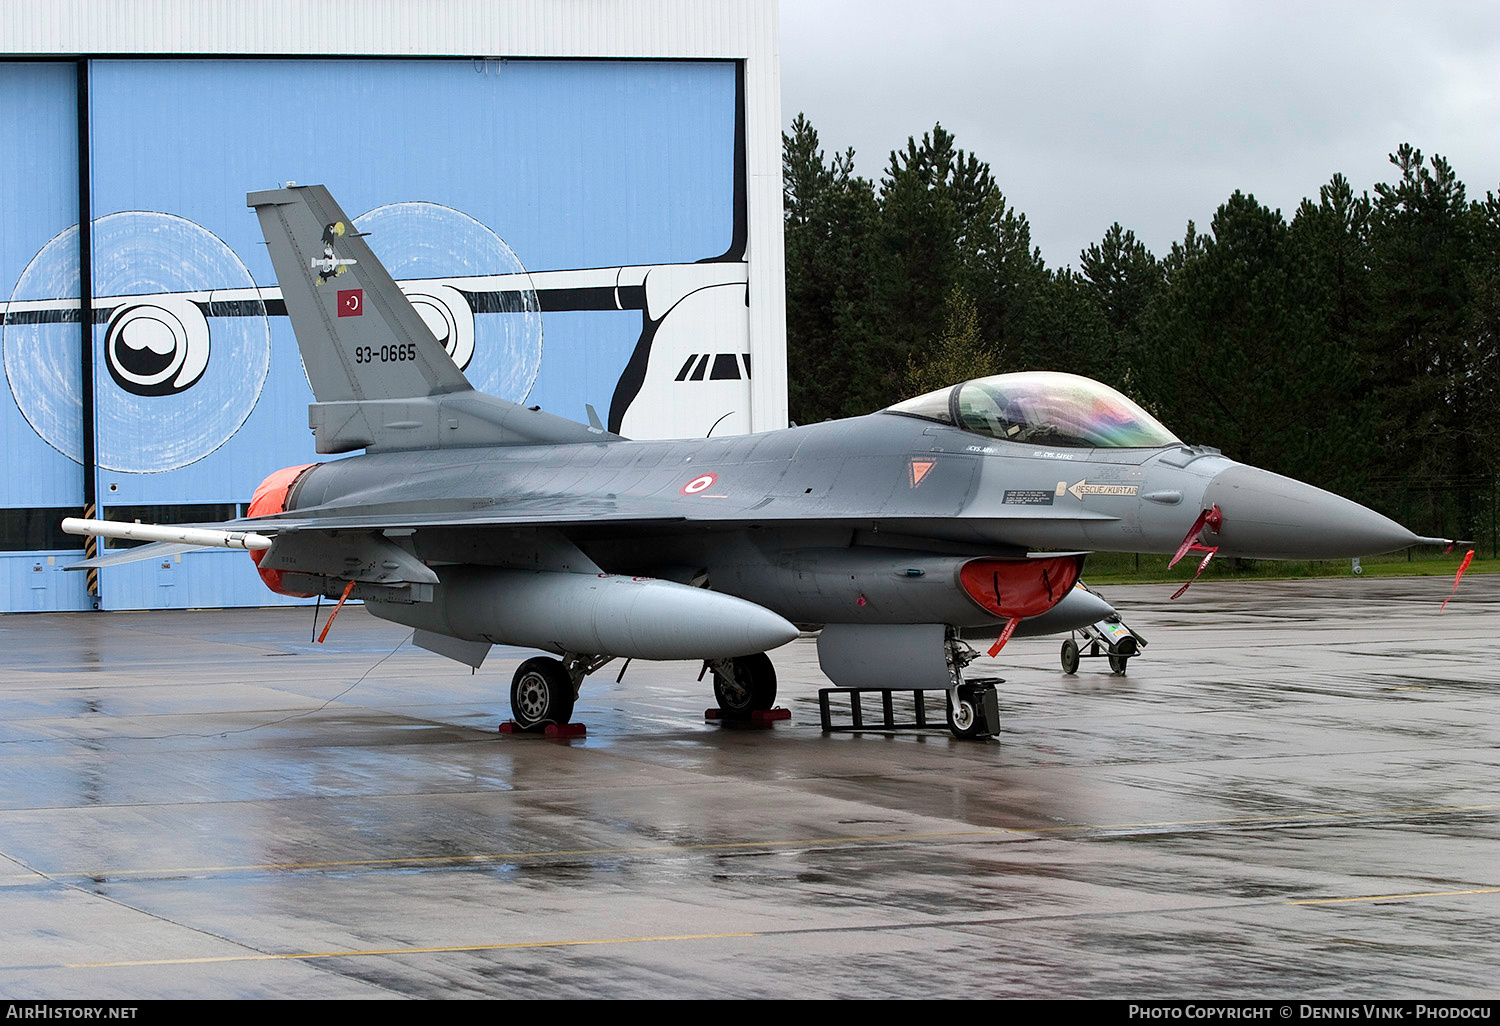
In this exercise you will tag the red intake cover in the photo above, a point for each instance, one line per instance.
(1019, 587)
(270, 497)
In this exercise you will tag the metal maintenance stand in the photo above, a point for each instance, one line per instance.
(982, 691)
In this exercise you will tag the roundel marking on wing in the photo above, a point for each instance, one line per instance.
(701, 483)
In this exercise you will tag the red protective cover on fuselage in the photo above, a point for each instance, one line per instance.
(270, 497)
(1019, 587)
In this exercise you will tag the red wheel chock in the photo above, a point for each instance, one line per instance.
(551, 730)
(758, 717)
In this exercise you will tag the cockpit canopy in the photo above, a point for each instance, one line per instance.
(1042, 408)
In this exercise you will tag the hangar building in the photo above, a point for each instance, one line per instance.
(582, 198)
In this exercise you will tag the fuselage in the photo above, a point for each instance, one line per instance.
(882, 472)
(867, 519)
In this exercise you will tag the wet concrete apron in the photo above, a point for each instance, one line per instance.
(1292, 793)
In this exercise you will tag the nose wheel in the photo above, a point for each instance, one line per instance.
(974, 705)
(975, 712)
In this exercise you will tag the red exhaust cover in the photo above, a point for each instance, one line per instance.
(1011, 588)
(270, 497)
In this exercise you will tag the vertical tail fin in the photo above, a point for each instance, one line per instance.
(360, 337)
(381, 380)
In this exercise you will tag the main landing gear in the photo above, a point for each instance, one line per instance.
(544, 689)
(541, 693)
(744, 685)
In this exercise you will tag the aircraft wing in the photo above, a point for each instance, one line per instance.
(551, 512)
(574, 511)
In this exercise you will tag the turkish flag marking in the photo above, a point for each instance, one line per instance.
(351, 302)
(919, 469)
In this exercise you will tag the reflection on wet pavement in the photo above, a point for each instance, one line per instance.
(1292, 794)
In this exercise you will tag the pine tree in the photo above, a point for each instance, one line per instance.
(1122, 279)
(1421, 363)
(1233, 341)
(830, 218)
(958, 354)
(945, 225)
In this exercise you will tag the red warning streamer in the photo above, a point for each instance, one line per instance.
(1468, 558)
(342, 599)
(1210, 519)
(1010, 628)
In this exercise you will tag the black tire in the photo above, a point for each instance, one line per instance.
(1070, 656)
(963, 721)
(541, 693)
(1117, 663)
(748, 686)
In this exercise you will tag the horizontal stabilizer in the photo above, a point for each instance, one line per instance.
(160, 550)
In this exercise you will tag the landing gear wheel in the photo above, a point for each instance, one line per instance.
(1117, 663)
(963, 718)
(541, 693)
(744, 685)
(1070, 656)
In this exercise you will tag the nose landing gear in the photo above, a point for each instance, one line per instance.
(976, 713)
(973, 706)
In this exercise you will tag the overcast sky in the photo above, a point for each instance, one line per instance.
(1151, 113)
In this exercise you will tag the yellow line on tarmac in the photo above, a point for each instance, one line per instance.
(518, 945)
(444, 949)
(418, 860)
(1395, 897)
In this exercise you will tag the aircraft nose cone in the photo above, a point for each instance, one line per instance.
(1267, 516)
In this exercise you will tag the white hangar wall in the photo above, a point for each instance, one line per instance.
(583, 198)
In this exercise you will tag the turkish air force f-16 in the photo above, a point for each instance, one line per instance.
(961, 515)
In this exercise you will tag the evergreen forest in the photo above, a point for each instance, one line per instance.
(1354, 345)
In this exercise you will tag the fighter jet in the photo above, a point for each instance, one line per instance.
(958, 515)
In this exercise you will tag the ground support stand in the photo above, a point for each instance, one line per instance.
(1109, 638)
(981, 689)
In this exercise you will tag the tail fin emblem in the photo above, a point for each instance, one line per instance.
(328, 265)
